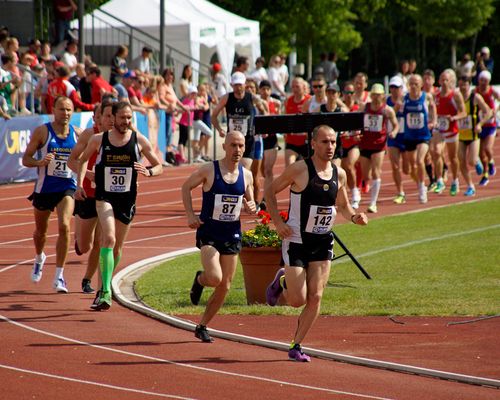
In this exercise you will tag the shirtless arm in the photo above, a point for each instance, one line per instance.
(343, 204)
(215, 114)
(148, 152)
(391, 116)
(248, 200)
(289, 177)
(92, 146)
(81, 144)
(37, 140)
(197, 178)
(487, 113)
(459, 101)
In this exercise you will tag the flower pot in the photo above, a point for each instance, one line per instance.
(260, 265)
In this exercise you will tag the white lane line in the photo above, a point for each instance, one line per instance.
(189, 366)
(86, 382)
(420, 241)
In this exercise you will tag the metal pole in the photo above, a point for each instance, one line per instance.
(162, 36)
(81, 41)
(41, 20)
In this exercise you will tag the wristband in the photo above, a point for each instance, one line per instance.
(150, 172)
(352, 218)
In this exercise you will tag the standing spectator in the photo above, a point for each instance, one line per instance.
(9, 83)
(79, 75)
(99, 86)
(119, 65)
(13, 49)
(284, 74)
(260, 73)
(277, 83)
(186, 121)
(484, 62)
(186, 81)
(219, 81)
(242, 65)
(142, 63)
(63, 13)
(412, 67)
(69, 57)
(26, 87)
(465, 66)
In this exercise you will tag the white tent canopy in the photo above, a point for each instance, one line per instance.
(197, 28)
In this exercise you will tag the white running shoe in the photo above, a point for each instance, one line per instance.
(60, 285)
(37, 271)
(355, 204)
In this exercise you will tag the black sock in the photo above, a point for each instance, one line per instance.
(428, 170)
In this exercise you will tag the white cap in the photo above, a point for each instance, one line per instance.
(485, 50)
(396, 81)
(192, 89)
(238, 78)
(485, 75)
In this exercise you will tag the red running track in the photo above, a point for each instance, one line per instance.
(53, 346)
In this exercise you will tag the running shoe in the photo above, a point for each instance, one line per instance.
(104, 302)
(37, 272)
(77, 249)
(454, 189)
(263, 205)
(198, 160)
(196, 290)
(484, 180)
(399, 199)
(296, 354)
(479, 168)
(372, 208)
(422, 197)
(96, 300)
(355, 204)
(431, 186)
(491, 169)
(60, 285)
(470, 192)
(274, 290)
(365, 187)
(201, 333)
(86, 288)
(440, 186)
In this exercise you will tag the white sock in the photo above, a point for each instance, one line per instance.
(375, 190)
(441, 180)
(39, 257)
(59, 273)
(355, 194)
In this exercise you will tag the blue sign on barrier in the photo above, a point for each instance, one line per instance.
(15, 135)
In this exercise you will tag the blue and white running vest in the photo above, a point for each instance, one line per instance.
(416, 114)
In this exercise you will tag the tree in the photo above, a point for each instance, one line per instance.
(452, 20)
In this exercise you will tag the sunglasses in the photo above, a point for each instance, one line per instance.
(317, 86)
(348, 92)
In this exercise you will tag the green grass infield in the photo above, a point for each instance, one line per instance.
(438, 262)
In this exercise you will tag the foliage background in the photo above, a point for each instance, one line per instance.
(368, 35)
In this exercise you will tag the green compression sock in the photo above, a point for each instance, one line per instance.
(107, 266)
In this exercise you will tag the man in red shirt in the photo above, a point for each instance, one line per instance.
(296, 145)
(99, 86)
(60, 86)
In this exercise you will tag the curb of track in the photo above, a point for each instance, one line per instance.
(122, 286)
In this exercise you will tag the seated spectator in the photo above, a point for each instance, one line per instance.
(134, 91)
(69, 57)
(9, 83)
(99, 86)
(33, 50)
(141, 64)
(119, 65)
(80, 73)
(46, 53)
(60, 86)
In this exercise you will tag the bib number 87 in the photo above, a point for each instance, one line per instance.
(228, 208)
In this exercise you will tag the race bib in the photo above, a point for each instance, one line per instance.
(58, 167)
(320, 219)
(465, 123)
(373, 123)
(117, 179)
(415, 120)
(238, 124)
(227, 207)
(443, 124)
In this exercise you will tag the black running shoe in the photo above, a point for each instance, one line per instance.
(96, 300)
(201, 333)
(77, 249)
(196, 290)
(86, 288)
